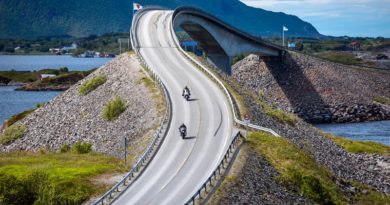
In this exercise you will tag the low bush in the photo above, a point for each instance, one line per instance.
(12, 133)
(22, 191)
(65, 148)
(114, 108)
(92, 84)
(82, 147)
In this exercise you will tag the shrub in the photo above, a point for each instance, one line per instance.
(12, 133)
(67, 193)
(82, 147)
(92, 84)
(114, 108)
(65, 148)
(22, 191)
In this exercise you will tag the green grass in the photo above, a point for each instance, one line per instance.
(114, 108)
(355, 146)
(148, 82)
(382, 100)
(11, 134)
(18, 117)
(92, 84)
(275, 113)
(340, 57)
(297, 167)
(313, 180)
(372, 197)
(53, 178)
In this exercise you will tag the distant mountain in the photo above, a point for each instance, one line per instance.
(31, 18)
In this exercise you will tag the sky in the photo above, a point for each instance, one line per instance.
(363, 18)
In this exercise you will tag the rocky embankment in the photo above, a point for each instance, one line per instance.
(255, 184)
(72, 117)
(284, 89)
(316, 90)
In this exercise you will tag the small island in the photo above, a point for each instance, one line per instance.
(43, 80)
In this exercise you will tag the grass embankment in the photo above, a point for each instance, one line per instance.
(382, 100)
(298, 168)
(53, 178)
(14, 118)
(356, 146)
(275, 113)
(153, 89)
(92, 84)
(114, 108)
(11, 134)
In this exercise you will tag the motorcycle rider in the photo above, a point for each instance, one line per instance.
(186, 90)
(183, 130)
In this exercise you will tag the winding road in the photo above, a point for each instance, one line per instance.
(180, 166)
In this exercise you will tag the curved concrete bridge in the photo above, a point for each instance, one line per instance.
(220, 41)
(181, 166)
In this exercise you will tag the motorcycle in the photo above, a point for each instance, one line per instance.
(183, 131)
(186, 94)
(187, 97)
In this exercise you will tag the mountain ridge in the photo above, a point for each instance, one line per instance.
(24, 18)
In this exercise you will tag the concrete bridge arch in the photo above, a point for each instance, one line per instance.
(220, 41)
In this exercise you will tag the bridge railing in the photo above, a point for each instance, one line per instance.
(217, 175)
(160, 134)
(221, 85)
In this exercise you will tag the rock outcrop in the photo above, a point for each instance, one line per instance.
(71, 117)
(316, 90)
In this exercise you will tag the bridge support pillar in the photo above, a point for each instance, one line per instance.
(221, 61)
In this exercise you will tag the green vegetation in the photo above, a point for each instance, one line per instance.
(40, 45)
(148, 82)
(382, 100)
(313, 180)
(82, 147)
(34, 76)
(18, 117)
(53, 178)
(12, 133)
(275, 113)
(340, 57)
(238, 58)
(297, 167)
(114, 108)
(355, 146)
(92, 84)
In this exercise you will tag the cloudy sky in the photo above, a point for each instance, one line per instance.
(336, 17)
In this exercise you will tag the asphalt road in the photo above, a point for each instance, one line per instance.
(180, 166)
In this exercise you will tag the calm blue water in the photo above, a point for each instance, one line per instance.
(18, 62)
(14, 102)
(369, 131)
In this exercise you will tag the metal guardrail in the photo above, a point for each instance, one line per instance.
(218, 172)
(221, 85)
(157, 139)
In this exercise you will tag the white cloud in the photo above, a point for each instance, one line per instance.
(349, 15)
